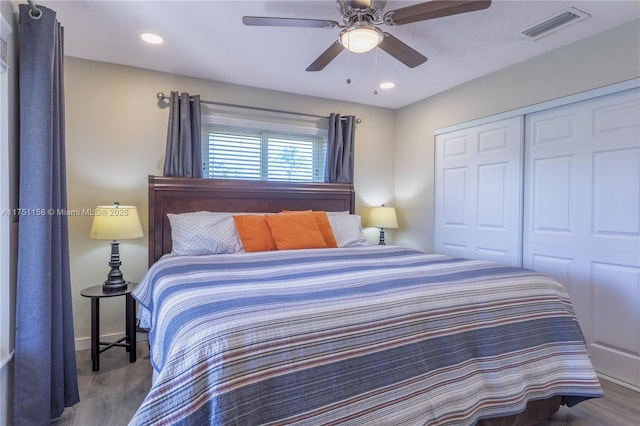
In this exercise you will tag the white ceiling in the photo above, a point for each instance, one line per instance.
(207, 39)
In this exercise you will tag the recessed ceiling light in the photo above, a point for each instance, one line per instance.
(152, 38)
(387, 85)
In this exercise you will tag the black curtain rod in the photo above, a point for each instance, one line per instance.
(162, 97)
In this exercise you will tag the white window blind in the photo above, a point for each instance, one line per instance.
(242, 153)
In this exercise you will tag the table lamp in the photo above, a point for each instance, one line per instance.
(383, 217)
(115, 223)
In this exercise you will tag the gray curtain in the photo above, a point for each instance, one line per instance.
(340, 149)
(45, 378)
(183, 156)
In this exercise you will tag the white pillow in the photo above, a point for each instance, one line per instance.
(347, 229)
(202, 233)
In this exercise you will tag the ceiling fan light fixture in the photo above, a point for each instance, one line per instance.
(361, 37)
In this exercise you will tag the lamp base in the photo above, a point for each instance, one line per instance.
(114, 286)
(381, 240)
(114, 281)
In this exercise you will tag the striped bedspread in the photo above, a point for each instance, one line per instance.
(374, 335)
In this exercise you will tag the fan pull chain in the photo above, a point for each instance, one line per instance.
(348, 66)
(375, 69)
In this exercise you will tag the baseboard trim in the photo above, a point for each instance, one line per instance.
(618, 382)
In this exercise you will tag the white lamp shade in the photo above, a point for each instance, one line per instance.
(361, 38)
(383, 217)
(116, 223)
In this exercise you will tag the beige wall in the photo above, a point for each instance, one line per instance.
(116, 134)
(610, 57)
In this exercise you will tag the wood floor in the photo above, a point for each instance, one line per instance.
(110, 397)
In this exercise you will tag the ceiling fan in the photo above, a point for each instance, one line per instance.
(360, 32)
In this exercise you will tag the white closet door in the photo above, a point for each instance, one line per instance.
(478, 192)
(582, 219)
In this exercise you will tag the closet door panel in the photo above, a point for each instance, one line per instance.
(615, 344)
(616, 185)
(478, 192)
(456, 198)
(557, 267)
(611, 308)
(582, 219)
(492, 196)
(552, 189)
(454, 201)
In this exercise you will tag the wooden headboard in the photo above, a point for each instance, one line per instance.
(182, 195)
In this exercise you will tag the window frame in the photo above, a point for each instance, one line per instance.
(314, 131)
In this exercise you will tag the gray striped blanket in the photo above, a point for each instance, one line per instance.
(375, 335)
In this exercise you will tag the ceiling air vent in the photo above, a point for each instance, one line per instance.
(561, 20)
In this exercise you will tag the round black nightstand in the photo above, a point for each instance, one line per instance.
(96, 293)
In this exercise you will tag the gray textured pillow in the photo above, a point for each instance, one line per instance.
(347, 228)
(202, 233)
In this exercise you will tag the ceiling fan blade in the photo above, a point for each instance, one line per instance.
(326, 57)
(264, 21)
(433, 9)
(401, 51)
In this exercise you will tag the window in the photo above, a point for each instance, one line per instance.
(244, 153)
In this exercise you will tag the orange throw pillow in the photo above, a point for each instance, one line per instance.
(254, 233)
(323, 224)
(295, 231)
(325, 229)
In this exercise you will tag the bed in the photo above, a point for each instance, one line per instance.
(381, 335)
